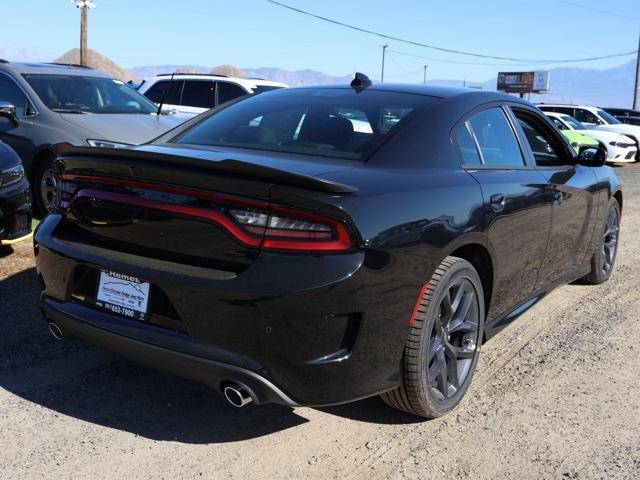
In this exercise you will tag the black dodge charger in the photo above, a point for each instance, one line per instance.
(313, 246)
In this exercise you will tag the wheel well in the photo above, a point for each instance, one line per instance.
(618, 197)
(479, 257)
(39, 157)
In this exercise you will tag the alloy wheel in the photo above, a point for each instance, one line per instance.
(610, 241)
(48, 186)
(453, 340)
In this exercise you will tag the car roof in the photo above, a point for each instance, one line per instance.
(429, 90)
(208, 76)
(51, 68)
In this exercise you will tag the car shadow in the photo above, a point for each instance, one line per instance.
(5, 250)
(81, 381)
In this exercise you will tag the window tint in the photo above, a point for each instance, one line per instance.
(496, 138)
(541, 143)
(166, 89)
(467, 146)
(336, 122)
(198, 93)
(586, 116)
(228, 91)
(558, 123)
(11, 93)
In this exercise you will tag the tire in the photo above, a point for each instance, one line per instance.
(604, 259)
(430, 343)
(43, 185)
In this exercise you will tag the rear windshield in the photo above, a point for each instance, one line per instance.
(336, 122)
(79, 94)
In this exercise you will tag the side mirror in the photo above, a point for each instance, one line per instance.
(592, 156)
(8, 111)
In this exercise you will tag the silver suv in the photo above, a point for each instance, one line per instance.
(44, 104)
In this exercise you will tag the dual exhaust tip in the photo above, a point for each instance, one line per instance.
(237, 395)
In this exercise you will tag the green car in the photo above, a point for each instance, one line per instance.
(578, 139)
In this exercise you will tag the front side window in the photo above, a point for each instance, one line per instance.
(336, 122)
(545, 150)
(573, 123)
(11, 93)
(199, 93)
(496, 138)
(558, 123)
(586, 116)
(80, 94)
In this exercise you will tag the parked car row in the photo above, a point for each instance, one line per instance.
(596, 119)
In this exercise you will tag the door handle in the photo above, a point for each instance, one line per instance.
(498, 201)
(557, 198)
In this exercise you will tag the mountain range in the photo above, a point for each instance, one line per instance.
(611, 87)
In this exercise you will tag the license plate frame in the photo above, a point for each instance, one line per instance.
(123, 295)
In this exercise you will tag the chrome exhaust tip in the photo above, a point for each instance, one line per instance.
(237, 396)
(56, 331)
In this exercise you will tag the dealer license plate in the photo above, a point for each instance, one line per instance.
(123, 295)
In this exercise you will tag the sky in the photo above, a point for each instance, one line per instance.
(256, 33)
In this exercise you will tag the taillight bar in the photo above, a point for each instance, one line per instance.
(325, 234)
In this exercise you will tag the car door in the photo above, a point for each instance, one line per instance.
(517, 204)
(17, 136)
(574, 208)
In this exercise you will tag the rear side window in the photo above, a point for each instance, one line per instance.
(335, 122)
(496, 138)
(166, 91)
(467, 145)
(228, 91)
(198, 93)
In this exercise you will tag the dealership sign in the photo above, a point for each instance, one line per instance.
(523, 82)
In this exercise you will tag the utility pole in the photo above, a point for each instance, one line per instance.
(635, 83)
(384, 48)
(424, 76)
(84, 6)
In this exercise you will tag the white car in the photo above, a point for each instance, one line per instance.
(620, 148)
(598, 119)
(189, 94)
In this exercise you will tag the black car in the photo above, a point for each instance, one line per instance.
(625, 115)
(15, 199)
(318, 245)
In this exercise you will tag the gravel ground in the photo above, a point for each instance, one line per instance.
(557, 395)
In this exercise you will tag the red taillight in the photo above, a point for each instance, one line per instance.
(287, 229)
(252, 223)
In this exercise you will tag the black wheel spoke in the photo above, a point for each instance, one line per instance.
(461, 353)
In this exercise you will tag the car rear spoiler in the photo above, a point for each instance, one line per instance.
(229, 166)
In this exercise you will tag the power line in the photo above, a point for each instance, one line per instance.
(461, 62)
(597, 10)
(442, 49)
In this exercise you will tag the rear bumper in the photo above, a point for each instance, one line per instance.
(15, 212)
(302, 329)
(186, 360)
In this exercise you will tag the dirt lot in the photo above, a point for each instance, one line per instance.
(557, 396)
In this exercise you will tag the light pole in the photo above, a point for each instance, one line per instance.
(84, 6)
(384, 48)
(635, 83)
(424, 76)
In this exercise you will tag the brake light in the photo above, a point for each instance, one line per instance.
(286, 229)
